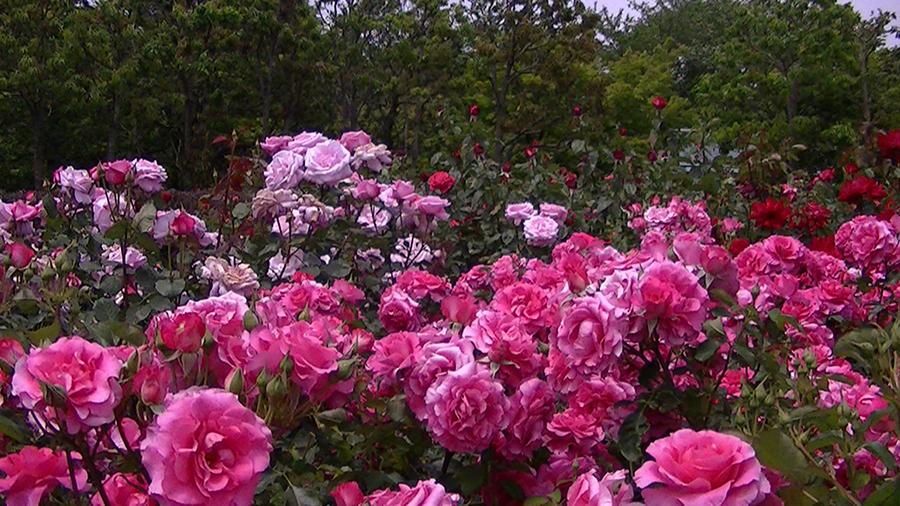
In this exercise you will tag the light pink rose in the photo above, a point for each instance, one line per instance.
(285, 171)
(611, 490)
(466, 409)
(660, 216)
(398, 311)
(433, 206)
(591, 335)
(353, 140)
(701, 469)
(554, 212)
(373, 156)
(301, 142)
(32, 473)
(149, 175)
(672, 297)
(517, 213)
(87, 373)
(541, 231)
(730, 225)
(206, 449)
(366, 189)
(275, 144)
(78, 182)
(425, 493)
(327, 163)
(531, 409)
(121, 491)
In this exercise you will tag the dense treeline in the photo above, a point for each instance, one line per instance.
(82, 82)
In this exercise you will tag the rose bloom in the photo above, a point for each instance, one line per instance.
(275, 144)
(348, 494)
(20, 255)
(149, 176)
(531, 409)
(394, 353)
(116, 172)
(671, 295)
(861, 188)
(374, 157)
(554, 212)
(540, 230)
(869, 243)
(268, 204)
(87, 373)
(229, 277)
(353, 140)
(433, 206)
(285, 171)
(121, 491)
(889, 145)
(398, 311)
(591, 335)
(434, 361)
(611, 490)
(301, 142)
(32, 473)
(524, 301)
(770, 214)
(517, 213)
(134, 259)
(206, 449)
(730, 225)
(466, 409)
(327, 163)
(701, 469)
(78, 182)
(425, 493)
(441, 182)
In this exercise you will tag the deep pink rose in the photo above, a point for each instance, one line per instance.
(327, 163)
(348, 494)
(121, 491)
(672, 296)
(436, 360)
(151, 383)
(605, 399)
(526, 302)
(184, 332)
(398, 311)
(701, 469)
(466, 408)
(86, 372)
(32, 473)
(206, 449)
(868, 243)
(394, 353)
(353, 140)
(541, 231)
(591, 335)
(425, 493)
(531, 409)
(313, 360)
(10, 351)
(787, 252)
(116, 172)
(717, 262)
(20, 255)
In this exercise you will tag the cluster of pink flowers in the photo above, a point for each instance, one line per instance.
(541, 227)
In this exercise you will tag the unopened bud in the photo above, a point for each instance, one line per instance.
(250, 321)
(236, 385)
(54, 395)
(262, 380)
(276, 389)
(287, 365)
(346, 368)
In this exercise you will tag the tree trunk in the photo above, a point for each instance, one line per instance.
(38, 121)
(113, 131)
(793, 97)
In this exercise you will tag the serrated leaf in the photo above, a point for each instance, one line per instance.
(170, 289)
(105, 310)
(145, 218)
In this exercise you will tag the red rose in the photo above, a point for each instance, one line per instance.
(861, 188)
(529, 153)
(576, 111)
(474, 111)
(572, 180)
(623, 132)
(851, 168)
(889, 145)
(478, 149)
(770, 214)
(659, 103)
(652, 156)
(825, 245)
(166, 197)
(183, 333)
(738, 245)
(618, 155)
(506, 168)
(441, 181)
(183, 224)
(20, 255)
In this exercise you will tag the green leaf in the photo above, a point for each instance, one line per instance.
(117, 231)
(171, 288)
(298, 496)
(48, 333)
(396, 408)
(128, 333)
(241, 211)
(536, 501)
(106, 310)
(707, 349)
(776, 450)
(12, 428)
(719, 295)
(630, 434)
(145, 218)
(337, 269)
(111, 284)
(888, 494)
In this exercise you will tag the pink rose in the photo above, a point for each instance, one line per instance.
(78, 182)
(116, 172)
(574, 433)
(353, 140)
(151, 383)
(517, 213)
(327, 163)
(701, 469)
(366, 189)
(313, 360)
(459, 309)
(466, 409)
(149, 176)
(121, 491)
(348, 494)
(394, 353)
(87, 373)
(672, 296)
(398, 311)
(730, 225)
(611, 490)
(554, 212)
(526, 302)
(868, 243)
(688, 246)
(591, 335)
(10, 351)
(435, 360)
(373, 156)
(285, 171)
(206, 449)
(184, 332)
(20, 255)
(425, 493)
(540, 230)
(531, 409)
(433, 206)
(301, 142)
(787, 252)
(275, 144)
(32, 473)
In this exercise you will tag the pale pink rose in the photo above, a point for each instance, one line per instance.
(541, 231)
(526, 302)
(78, 182)
(105, 210)
(425, 493)
(554, 212)
(149, 175)
(655, 245)
(466, 409)
(275, 144)
(206, 449)
(517, 213)
(285, 171)
(660, 216)
(327, 163)
(398, 311)
(672, 297)
(87, 373)
(134, 259)
(436, 360)
(868, 243)
(688, 246)
(373, 156)
(730, 225)
(122, 491)
(531, 409)
(611, 490)
(433, 206)
(348, 494)
(394, 353)
(703, 468)
(301, 142)
(32, 473)
(353, 140)
(591, 335)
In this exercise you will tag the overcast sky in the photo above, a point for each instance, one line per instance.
(865, 7)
